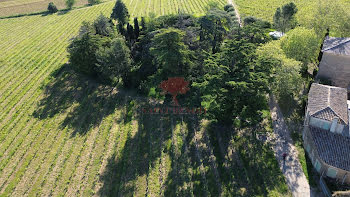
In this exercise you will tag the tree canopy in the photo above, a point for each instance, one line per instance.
(171, 54)
(120, 13)
(114, 62)
(301, 44)
(284, 17)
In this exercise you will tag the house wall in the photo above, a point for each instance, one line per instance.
(335, 68)
(320, 123)
(323, 167)
(325, 124)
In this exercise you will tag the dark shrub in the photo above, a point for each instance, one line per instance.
(228, 6)
(82, 49)
(249, 20)
(93, 2)
(52, 8)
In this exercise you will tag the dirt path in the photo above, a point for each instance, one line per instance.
(236, 11)
(291, 168)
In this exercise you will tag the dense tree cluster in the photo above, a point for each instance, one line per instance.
(100, 51)
(212, 52)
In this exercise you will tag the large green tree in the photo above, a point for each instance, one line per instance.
(82, 49)
(284, 17)
(235, 84)
(103, 26)
(114, 62)
(120, 13)
(287, 82)
(301, 44)
(171, 55)
(213, 28)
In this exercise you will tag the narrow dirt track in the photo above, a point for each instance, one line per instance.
(236, 11)
(291, 167)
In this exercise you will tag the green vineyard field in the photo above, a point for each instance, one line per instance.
(265, 9)
(62, 134)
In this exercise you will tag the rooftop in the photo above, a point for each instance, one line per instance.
(340, 46)
(333, 149)
(328, 102)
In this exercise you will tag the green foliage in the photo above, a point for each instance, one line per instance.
(137, 28)
(171, 54)
(212, 5)
(82, 53)
(301, 44)
(287, 81)
(52, 8)
(114, 62)
(252, 20)
(103, 26)
(213, 27)
(69, 4)
(120, 12)
(143, 23)
(228, 7)
(284, 18)
(94, 2)
(82, 49)
(249, 20)
(130, 35)
(327, 14)
(255, 33)
(235, 85)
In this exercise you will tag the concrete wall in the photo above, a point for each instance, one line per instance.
(335, 68)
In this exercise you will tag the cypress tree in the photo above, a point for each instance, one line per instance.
(143, 23)
(120, 12)
(136, 28)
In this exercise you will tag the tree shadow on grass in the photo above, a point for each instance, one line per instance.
(143, 139)
(146, 159)
(83, 100)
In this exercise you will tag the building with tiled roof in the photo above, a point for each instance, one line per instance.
(326, 131)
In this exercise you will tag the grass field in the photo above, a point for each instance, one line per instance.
(265, 9)
(62, 134)
(16, 7)
(66, 135)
